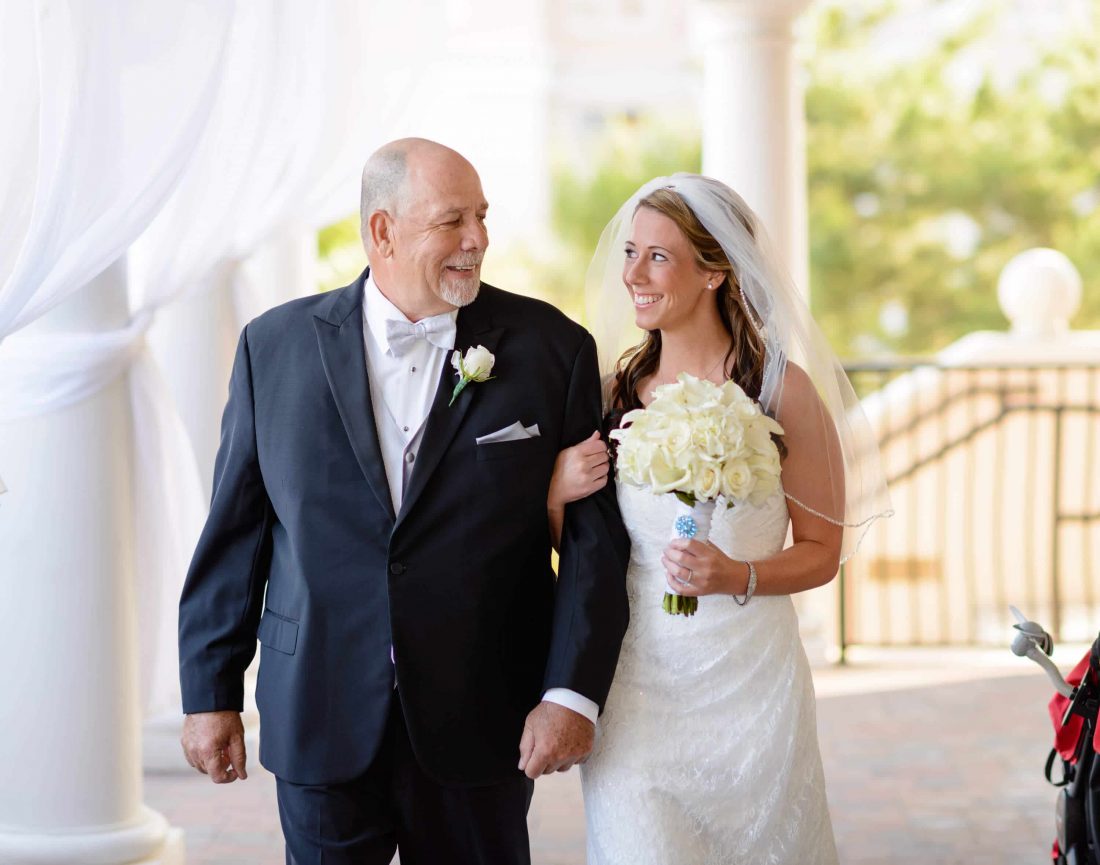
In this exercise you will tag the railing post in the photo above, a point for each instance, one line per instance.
(843, 611)
(1056, 520)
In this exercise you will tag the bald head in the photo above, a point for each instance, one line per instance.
(387, 172)
(422, 219)
(383, 179)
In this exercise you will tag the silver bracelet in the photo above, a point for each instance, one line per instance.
(745, 598)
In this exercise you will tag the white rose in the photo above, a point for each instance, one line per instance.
(737, 480)
(706, 481)
(476, 365)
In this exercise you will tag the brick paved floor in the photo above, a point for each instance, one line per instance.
(923, 766)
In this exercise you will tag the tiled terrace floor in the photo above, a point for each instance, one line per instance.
(928, 760)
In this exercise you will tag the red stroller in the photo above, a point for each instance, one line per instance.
(1073, 711)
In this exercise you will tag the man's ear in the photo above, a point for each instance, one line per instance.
(380, 233)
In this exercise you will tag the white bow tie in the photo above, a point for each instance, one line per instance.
(439, 330)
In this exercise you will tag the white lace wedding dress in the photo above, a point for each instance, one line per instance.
(706, 751)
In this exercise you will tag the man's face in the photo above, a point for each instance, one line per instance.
(439, 233)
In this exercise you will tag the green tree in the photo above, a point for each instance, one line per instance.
(633, 150)
(920, 190)
(340, 255)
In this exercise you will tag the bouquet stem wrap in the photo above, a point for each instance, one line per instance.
(692, 522)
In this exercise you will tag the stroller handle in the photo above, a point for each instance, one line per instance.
(1035, 643)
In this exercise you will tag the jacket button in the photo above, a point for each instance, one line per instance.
(397, 569)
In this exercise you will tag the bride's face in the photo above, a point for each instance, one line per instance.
(666, 286)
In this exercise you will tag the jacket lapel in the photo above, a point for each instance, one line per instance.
(343, 354)
(474, 327)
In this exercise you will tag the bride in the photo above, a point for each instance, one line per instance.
(706, 750)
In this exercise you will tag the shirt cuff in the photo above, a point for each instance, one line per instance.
(572, 700)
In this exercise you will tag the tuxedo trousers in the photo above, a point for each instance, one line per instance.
(394, 806)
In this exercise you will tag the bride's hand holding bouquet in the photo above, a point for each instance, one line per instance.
(701, 442)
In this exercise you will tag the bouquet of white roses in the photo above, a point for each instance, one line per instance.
(699, 441)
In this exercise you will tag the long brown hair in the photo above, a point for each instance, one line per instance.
(746, 345)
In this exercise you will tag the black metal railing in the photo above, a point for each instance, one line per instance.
(995, 482)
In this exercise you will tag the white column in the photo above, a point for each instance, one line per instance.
(283, 268)
(753, 119)
(194, 340)
(486, 92)
(71, 788)
(754, 139)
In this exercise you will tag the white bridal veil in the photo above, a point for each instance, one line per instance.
(858, 488)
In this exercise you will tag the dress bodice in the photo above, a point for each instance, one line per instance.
(743, 532)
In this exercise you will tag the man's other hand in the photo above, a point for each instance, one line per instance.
(213, 743)
(554, 738)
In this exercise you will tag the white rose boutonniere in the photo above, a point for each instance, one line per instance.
(475, 366)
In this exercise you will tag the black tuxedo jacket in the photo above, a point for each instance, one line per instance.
(302, 548)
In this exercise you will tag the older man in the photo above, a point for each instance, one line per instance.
(387, 542)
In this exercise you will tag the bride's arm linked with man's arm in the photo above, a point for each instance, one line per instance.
(579, 471)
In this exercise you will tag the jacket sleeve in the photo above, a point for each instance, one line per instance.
(590, 609)
(223, 594)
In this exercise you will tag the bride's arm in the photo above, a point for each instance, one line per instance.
(579, 471)
(813, 473)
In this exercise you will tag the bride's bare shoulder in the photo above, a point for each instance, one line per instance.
(797, 384)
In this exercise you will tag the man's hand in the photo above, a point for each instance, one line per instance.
(213, 743)
(554, 738)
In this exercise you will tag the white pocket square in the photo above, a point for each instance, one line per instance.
(514, 433)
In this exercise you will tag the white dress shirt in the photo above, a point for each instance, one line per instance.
(402, 388)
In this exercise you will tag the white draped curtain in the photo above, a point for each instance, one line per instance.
(281, 135)
(112, 101)
(183, 136)
(289, 129)
(104, 105)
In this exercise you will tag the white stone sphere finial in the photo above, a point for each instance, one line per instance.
(1039, 291)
